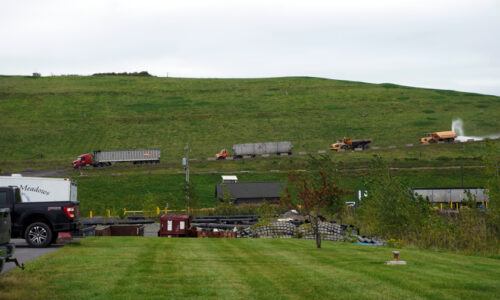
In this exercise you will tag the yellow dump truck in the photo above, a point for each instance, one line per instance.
(439, 137)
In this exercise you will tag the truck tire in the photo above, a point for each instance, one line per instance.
(2, 262)
(38, 235)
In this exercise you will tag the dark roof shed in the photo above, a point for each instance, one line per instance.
(249, 190)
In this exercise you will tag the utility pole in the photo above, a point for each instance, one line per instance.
(185, 163)
(462, 165)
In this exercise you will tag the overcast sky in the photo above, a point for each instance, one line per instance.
(449, 44)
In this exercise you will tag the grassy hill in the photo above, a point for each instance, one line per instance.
(54, 119)
(46, 122)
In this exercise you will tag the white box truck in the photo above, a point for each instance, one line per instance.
(42, 189)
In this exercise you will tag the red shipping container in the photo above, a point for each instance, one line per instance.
(174, 225)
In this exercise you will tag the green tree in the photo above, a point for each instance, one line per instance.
(492, 170)
(390, 210)
(317, 191)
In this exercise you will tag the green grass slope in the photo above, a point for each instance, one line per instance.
(54, 119)
(141, 189)
(161, 268)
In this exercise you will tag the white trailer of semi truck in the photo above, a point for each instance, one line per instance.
(42, 189)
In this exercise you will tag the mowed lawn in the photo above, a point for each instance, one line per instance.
(154, 268)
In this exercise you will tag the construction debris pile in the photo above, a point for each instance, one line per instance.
(287, 229)
(289, 225)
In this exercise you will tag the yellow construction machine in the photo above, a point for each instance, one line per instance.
(439, 137)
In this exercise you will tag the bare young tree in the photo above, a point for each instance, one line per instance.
(317, 192)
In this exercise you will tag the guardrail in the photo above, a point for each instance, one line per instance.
(155, 212)
(151, 213)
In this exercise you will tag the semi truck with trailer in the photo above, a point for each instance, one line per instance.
(254, 149)
(439, 137)
(107, 158)
(40, 207)
(350, 144)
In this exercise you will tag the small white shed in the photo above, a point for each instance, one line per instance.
(229, 179)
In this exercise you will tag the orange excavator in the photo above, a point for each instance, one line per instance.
(223, 154)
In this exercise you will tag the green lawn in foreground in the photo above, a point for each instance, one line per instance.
(158, 268)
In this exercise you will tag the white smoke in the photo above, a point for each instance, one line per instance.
(457, 125)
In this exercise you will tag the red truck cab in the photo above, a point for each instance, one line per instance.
(223, 154)
(83, 160)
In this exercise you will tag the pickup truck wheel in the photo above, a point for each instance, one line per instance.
(38, 235)
(2, 262)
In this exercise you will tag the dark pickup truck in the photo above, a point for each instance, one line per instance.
(39, 223)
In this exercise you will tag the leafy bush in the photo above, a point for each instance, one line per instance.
(392, 212)
(395, 243)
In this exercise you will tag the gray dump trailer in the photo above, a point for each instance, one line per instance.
(146, 155)
(107, 158)
(253, 149)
